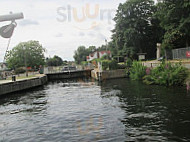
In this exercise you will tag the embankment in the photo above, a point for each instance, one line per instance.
(20, 85)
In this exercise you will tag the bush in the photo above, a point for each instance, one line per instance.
(20, 70)
(122, 66)
(167, 74)
(84, 63)
(109, 65)
(113, 65)
(129, 62)
(105, 65)
(138, 71)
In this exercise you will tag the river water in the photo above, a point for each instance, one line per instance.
(83, 110)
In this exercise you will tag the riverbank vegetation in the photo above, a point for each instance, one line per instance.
(137, 71)
(141, 24)
(165, 74)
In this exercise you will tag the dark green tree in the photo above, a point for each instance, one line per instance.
(91, 49)
(175, 20)
(30, 54)
(55, 61)
(133, 30)
(80, 54)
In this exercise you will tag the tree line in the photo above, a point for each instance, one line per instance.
(31, 54)
(81, 52)
(141, 24)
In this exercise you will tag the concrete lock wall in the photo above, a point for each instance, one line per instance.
(69, 75)
(121, 73)
(22, 85)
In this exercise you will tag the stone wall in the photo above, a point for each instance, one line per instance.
(11, 87)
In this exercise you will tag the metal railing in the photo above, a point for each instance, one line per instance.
(180, 53)
(59, 69)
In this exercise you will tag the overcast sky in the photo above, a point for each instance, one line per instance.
(60, 25)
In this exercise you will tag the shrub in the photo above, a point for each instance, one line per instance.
(105, 57)
(129, 62)
(137, 71)
(113, 65)
(109, 65)
(105, 64)
(167, 74)
(84, 63)
(20, 70)
(122, 66)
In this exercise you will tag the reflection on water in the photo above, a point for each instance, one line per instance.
(83, 110)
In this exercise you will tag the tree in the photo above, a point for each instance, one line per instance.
(55, 61)
(175, 20)
(30, 54)
(91, 49)
(133, 30)
(80, 54)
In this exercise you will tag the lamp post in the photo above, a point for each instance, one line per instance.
(158, 50)
(25, 61)
(106, 48)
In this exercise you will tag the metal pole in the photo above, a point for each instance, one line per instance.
(11, 17)
(106, 49)
(25, 62)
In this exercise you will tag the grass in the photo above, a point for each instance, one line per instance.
(22, 77)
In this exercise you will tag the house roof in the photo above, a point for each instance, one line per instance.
(103, 52)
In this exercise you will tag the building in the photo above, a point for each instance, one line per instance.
(97, 55)
(3, 66)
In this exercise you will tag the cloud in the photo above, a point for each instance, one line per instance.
(81, 34)
(59, 35)
(101, 36)
(61, 38)
(28, 22)
(91, 34)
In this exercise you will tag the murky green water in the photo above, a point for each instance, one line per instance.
(115, 110)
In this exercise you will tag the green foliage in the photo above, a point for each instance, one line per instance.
(105, 57)
(96, 60)
(55, 61)
(167, 74)
(122, 66)
(84, 62)
(129, 62)
(80, 54)
(134, 30)
(109, 65)
(137, 71)
(20, 70)
(174, 17)
(29, 53)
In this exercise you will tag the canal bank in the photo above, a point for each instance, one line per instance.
(7, 87)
